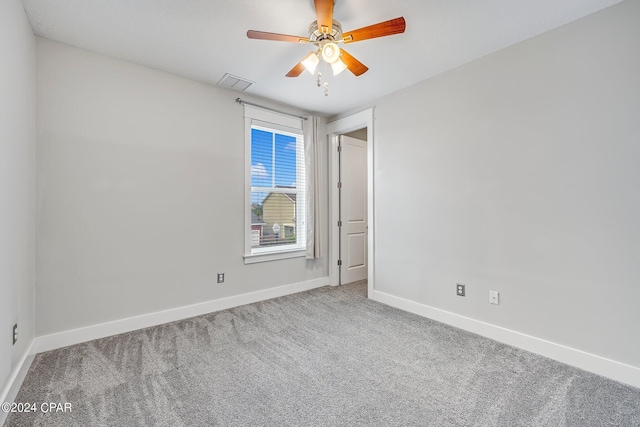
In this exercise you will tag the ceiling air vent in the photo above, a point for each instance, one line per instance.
(234, 82)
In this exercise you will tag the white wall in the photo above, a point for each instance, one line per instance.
(17, 185)
(140, 193)
(520, 173)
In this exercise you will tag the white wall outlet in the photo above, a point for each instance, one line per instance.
(494, 297)
(460, 289)
(220, 277)
(15, 333)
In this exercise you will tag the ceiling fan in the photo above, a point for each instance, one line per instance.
(326, 33)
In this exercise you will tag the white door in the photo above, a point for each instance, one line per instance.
(353, 209)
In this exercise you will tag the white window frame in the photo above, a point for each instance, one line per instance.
(287, 125)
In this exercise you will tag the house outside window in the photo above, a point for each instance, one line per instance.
(275, 187)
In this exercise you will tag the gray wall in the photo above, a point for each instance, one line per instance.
(520, 173)
(140, 193)
(17, 183)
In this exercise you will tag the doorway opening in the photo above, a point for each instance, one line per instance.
(351, 214)
(352, 206)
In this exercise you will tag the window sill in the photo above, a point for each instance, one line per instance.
(274, 256)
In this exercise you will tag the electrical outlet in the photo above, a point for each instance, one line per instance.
(460, 289)
(220, 277)
(494, 297)
(15, 333)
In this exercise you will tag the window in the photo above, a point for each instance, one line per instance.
(275, 187)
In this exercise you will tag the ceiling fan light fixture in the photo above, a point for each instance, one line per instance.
(330, 52)
(338, 66)
(311, 62)
(326, 33)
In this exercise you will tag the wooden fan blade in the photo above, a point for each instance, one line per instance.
(262, 35)
(324, 15)
(355, 66)
(386, 28)
(298, 69)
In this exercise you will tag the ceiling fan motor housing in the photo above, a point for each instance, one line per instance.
(316, 35)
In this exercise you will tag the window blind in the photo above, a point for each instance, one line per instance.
(277, 189)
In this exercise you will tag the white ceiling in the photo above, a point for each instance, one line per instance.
(204, 39)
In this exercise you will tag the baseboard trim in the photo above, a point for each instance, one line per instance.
(102, 330)
(14, 381)
(621, 372)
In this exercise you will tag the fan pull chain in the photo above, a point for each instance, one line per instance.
(325, 86)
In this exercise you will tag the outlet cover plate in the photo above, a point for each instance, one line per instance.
(220, 277)
(494, 297)
(460, 289)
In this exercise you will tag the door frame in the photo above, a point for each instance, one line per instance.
(363, 119)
